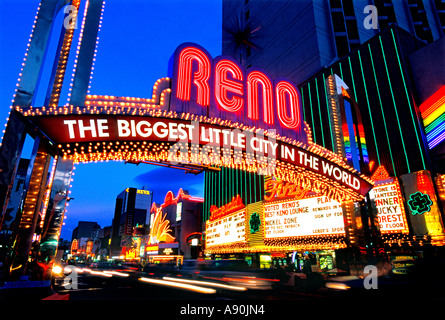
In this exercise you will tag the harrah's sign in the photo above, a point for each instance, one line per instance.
(222, 85)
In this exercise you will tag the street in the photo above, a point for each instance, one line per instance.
(136, 287)
(174, 296)
(106, 285)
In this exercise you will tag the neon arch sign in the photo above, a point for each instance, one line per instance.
(209, 107)
(211, 113)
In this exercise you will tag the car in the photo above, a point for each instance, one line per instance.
(411, 278)
(160, 270)
(233, 272)
(102, 266)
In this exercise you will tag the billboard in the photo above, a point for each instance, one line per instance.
(388, 203)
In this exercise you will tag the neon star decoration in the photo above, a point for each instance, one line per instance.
(419, 203)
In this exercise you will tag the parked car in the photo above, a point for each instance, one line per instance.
(421, 278)
(102, 266)
(160, 270)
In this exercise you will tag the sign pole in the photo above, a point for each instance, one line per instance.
(55, 213)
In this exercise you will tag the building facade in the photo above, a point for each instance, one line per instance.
(363, 91)
(131, 210)
(310, 34)
(175, 229)
(11, 218)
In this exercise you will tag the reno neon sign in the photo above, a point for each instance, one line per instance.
(200, 82)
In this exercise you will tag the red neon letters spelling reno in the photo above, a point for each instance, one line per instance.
(232, 89)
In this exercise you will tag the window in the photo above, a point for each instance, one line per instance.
(342, 45)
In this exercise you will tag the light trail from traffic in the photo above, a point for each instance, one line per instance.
(178, 285)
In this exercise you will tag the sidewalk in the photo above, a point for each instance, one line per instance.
(25, 290)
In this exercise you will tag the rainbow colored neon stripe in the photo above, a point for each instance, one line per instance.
(347, 141)
(348, 146)
(361, 132)
(433, 115)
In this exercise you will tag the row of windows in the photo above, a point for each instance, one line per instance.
(345, 23)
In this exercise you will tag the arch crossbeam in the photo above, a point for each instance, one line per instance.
(85, 134)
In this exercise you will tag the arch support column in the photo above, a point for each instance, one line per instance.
(54, 215)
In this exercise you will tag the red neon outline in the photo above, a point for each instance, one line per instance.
(223, 85)
(253, 79)
(200, 77)
(281, 89)
(432, 103)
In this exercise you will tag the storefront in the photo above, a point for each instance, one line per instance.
(174, 233)
(293, 228)
(164, 253)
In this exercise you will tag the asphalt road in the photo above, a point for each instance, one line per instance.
(93, 287)
(143, 294)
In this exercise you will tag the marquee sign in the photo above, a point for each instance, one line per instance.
(227, 230)
(211, 113)
(390, 211)
(301, 218)
(234, 205)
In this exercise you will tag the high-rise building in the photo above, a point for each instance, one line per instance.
(381, 63)
(85, 242)
(295, 39)
(371, 93)
(132, 209)
(175, 227)
(10, 221)
(86, 229)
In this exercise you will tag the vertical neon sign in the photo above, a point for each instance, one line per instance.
(433, 115)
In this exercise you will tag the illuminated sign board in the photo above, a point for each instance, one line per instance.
(254, 222)
(69, 130)
(307, 217)
(389, 204)
(235, 204)
(221, 83)
(433, 115)
(227, 230)
(139, 191)
(74, 246)
(151, 249)
(277, 189)
(179, 211)
(419, 203)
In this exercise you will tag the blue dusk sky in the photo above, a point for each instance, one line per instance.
(136, 41)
